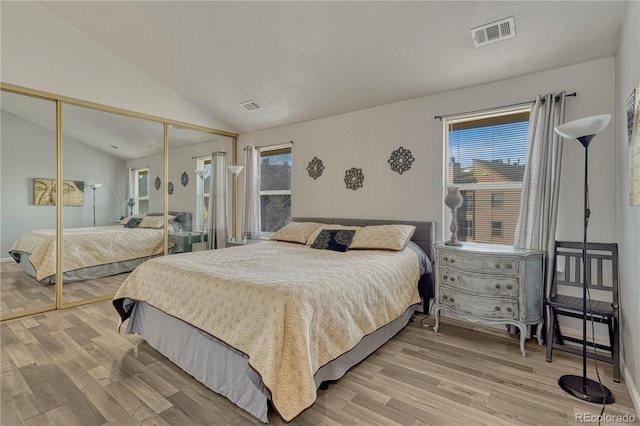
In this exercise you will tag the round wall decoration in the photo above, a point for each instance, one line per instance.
(170, 188)
(184, 179)
(354, 178)
(156, 183)
(400, 160)
(315, 168)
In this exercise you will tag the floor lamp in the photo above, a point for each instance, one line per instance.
(94, 186)
(235, 170)
(583, 131)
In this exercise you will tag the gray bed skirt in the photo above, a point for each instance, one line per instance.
(224, 369)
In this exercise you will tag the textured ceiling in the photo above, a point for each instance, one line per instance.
(307, 60)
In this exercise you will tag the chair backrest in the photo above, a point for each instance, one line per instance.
(602, 266)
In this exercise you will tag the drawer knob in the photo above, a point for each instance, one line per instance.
(445, 258)
(452, 279)
(453, 300)
(453, 261)
(509, 287)
(497, 266)
(497, 308)
(446, 277)
(498, 286)
(509, 266)
(509, 309)
(445, 297)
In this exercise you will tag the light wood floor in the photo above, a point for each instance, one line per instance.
(20, 292)
(71, 367)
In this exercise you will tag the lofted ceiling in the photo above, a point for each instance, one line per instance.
(305, 60)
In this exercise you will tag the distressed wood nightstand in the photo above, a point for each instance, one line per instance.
(490, 284)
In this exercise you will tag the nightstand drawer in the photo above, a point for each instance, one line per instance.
(473, 305)
(495, 265)
(482, 284)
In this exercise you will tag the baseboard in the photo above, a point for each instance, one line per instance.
(631, 385)
(6, 259)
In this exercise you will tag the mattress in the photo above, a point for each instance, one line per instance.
(289, 308)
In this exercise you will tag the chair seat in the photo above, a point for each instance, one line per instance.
(575, 304)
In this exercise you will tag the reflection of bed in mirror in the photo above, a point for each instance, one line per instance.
(95, 252)
(267, 324)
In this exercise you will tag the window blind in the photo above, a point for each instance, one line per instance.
(486, 157)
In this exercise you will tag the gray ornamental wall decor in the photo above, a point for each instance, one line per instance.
(156, 183)
(354, 178)
(400, 160)
(170, 188)
(184, 179)
(315, 168)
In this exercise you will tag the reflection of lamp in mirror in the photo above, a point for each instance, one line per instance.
(453, 200)
(235, 170)
(94, 186)
(202, 174)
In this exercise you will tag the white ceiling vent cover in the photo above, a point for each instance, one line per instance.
(250, 105)
(493, 32)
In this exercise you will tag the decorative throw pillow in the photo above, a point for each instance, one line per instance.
(315, 233)
(128, 218)
(156, 222)
(296, 232)
(133, 222)
(383, 237)
(334, 239)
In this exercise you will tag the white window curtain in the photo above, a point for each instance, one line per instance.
(536, 226)
(217, 220)
(251, 225)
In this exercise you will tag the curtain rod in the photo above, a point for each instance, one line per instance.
(440, 117)
(272, 146)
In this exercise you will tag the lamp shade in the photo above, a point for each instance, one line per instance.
(235, 169)
(584, 129)
(94, 185)
(201, 172)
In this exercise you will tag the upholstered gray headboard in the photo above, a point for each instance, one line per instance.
(424, 236)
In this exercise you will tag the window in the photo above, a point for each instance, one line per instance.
(496, 200)
(141, 190)
(275, 187)
(486, 156)
(202, 193)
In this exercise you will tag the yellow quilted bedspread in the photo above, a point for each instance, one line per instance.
(84, 247)
(289, 307)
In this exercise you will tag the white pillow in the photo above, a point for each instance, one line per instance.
(383, 237)
(156, 222)
(296, 232)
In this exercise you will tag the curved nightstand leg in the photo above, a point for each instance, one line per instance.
(539, 332)
(523, 337)
(436, 313)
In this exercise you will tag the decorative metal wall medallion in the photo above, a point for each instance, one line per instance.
(315, 168)
(184, 179)
(354, 178)
(170, 188)
(400, 160)
(156, 183)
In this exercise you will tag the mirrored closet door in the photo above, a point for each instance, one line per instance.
(28, 203)
(200, 189)
(110, 166)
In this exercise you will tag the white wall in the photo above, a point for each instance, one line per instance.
(44, 52)
(628, 217)
(28, 151)
(365, 139)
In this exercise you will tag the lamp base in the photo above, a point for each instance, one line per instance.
(592, 392)
(453, 243)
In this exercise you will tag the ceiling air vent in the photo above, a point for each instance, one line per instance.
(495, 31)
(250, 105)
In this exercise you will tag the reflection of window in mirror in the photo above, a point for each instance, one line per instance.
(141, 190)
(202, 192)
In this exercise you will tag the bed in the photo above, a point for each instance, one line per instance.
(269, 323)
(92, 252)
